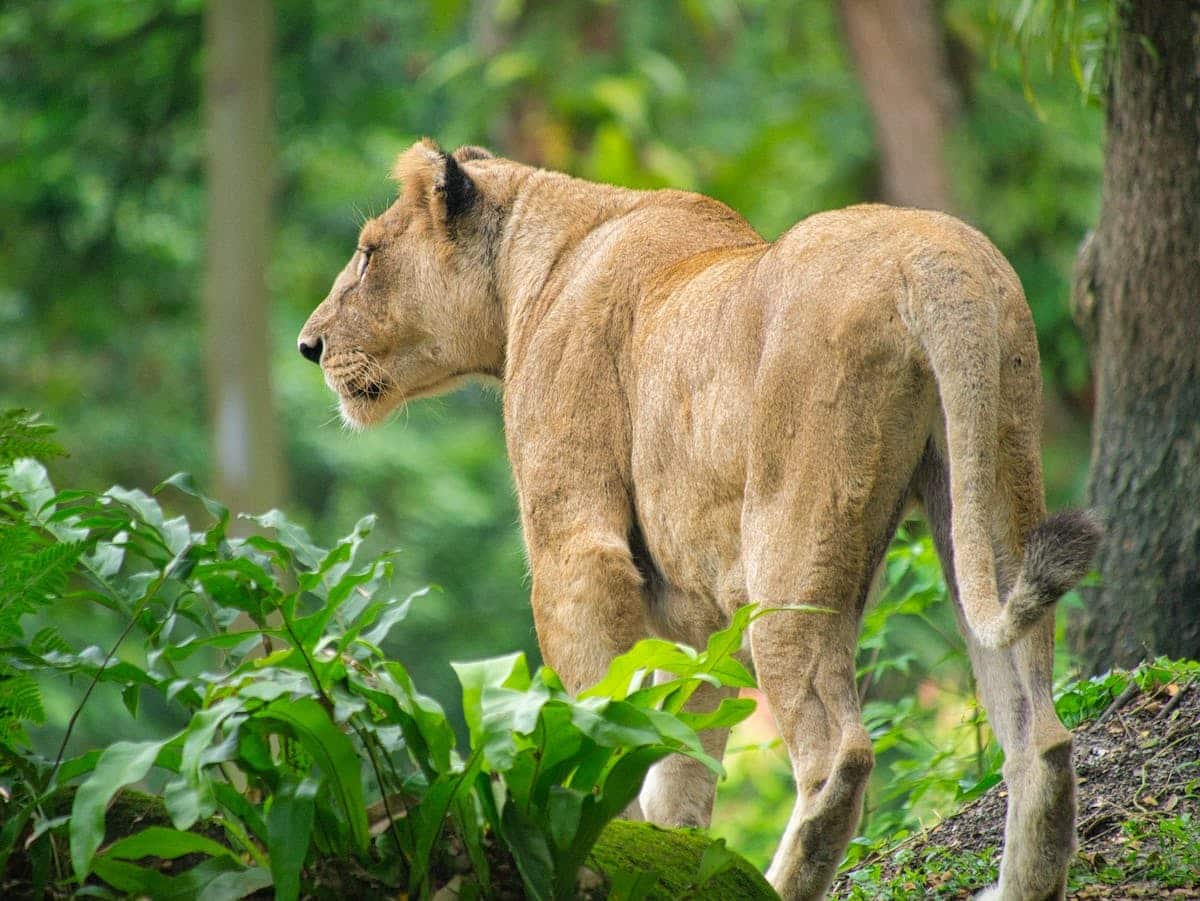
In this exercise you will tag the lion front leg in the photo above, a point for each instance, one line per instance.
(589, 605)
(679, 790)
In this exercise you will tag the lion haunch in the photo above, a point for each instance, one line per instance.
(697, 419)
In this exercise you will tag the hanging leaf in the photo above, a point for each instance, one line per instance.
(121, 764)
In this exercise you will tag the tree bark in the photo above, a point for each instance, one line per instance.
(1137, 294)
(238, 126)
(900, 56)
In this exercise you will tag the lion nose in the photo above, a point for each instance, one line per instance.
(312, 351)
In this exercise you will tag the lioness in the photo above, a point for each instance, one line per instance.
(697, 418)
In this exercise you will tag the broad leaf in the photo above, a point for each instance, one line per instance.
(333, 753)
(159, 841)
(121, 764)
(289, 830)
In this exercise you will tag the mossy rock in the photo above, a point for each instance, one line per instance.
(674, 855)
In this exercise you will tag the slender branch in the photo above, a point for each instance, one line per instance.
(133, 617)
(869, 675)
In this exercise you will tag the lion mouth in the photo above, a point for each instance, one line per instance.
(370, 391)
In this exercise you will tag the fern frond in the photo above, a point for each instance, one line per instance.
(49, 639)
(22, 434)
(20, 704)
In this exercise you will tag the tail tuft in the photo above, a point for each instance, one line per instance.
(1058, 553)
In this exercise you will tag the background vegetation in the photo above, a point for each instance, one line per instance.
(102, 200)
(759, 103)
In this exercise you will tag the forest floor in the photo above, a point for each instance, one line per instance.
(1138, 765)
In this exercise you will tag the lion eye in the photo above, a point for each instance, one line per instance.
(366, 258)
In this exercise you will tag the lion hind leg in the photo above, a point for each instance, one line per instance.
(1015, 684)
(806, 670)
(1039, 829)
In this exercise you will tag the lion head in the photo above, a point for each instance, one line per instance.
(415, 311)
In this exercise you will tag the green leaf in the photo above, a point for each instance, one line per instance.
(433, 730)
(118, 766)
(134, 880)
(140, 502)
(510, 671)
(507, 713)
(184, 482)
(563, 810)
(235, 802)
(216, 879)
(625, 779)
(530, 852)
(159, 841)
(130, 695)
(229, 885)
(289, 831)
(627, 671)
(334, 754)
(631, 885)
(614, 724)
(395, 613)
(105, 561)
(189, 796)
(729, 712)
(29, 479)
(292, 536)
(715, 861)
(470, 822)
(75, 767)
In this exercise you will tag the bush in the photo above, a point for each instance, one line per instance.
(294, 720)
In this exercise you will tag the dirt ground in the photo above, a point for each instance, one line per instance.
(1138, 767)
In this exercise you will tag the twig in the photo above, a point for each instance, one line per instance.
(868, 676)
(133, 618)
(1168, 707)
(1121, 700)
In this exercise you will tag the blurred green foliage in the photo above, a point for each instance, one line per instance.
(752, 101)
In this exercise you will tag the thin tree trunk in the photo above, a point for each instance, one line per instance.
(1138, 296)
(900, 57)
(238, 126)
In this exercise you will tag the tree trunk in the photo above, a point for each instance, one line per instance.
(1136, 294)
(238, 125)
(900, 58)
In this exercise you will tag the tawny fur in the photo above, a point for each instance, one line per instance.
(697, 418)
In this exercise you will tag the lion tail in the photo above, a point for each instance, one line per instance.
(960, 338)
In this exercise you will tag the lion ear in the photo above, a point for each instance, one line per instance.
(432, 179)
(469, 152)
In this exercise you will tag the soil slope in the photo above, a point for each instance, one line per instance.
(1139, 815)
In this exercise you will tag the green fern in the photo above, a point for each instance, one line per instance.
(41, 577)
(22, 434)
(20, 703)
(49, 640)
(34, 571)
